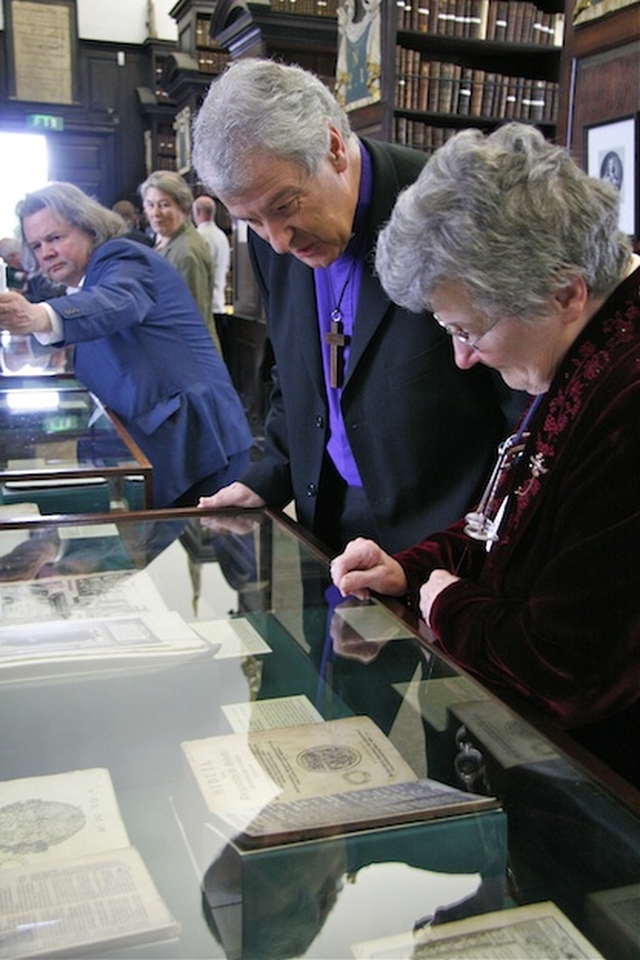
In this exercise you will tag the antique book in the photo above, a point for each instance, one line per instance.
(313, 780)
(537, 931)
(70, 881)
(501, 734)
(612, 917)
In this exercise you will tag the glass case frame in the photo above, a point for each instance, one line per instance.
(279, 651)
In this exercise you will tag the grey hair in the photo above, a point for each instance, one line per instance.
(509, 216)
(70, 203)
(172, 184)
(261, 107)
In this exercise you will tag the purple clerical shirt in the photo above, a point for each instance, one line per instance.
(339, 284)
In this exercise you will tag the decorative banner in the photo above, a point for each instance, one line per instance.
(359, 63)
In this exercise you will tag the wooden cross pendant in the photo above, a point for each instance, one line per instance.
(337, 341)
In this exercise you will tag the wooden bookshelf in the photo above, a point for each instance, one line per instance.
(211, 57)
(457, 63)
(158, 109)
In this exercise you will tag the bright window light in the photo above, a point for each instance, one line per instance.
(24, 166)
(33, 399)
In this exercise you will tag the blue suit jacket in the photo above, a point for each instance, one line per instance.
(143, 349)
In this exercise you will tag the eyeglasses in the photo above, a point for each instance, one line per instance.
(462, 335)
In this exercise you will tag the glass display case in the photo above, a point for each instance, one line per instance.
(24, 357)
(60, 448)
(206, 752)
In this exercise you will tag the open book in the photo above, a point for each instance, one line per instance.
(319, 779)
(537, 931)
(70, 882)
(111, 617)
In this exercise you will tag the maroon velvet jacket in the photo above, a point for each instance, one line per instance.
(553, 610)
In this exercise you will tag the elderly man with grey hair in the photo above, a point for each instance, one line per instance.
(371, 428)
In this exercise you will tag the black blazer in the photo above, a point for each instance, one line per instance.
(424, 434)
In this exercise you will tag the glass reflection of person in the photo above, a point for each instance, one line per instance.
(278, 904)
(273, 904)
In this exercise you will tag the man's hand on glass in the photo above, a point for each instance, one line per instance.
(234, 495)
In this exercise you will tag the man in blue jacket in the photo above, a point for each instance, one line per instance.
(141, 345)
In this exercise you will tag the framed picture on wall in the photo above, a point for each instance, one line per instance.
(611, 152)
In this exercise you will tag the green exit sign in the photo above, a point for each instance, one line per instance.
(44, 121)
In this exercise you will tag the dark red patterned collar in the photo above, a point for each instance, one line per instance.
(610, 334)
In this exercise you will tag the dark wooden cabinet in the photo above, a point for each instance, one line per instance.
(157, 109)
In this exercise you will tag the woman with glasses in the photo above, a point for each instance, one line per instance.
(518, 254)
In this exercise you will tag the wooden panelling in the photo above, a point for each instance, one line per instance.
(86, 159)
(101, 147)
(600, 76)
(607, 86)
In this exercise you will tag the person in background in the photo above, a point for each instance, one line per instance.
(131, 217)
(167, 201)
(141, 345)
(535, 591)
(370, 428)
(204, 217)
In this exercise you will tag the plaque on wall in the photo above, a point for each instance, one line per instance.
(41, 37)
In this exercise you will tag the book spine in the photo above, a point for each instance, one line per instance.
(490, 20)
(500, 98)
(446, 87)
(476, 98)
(423, 88)
(465, 92)
(538, 101)
(502, 18)
(434, 86)
(558, 29)
(414, 79)
(423, 17)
